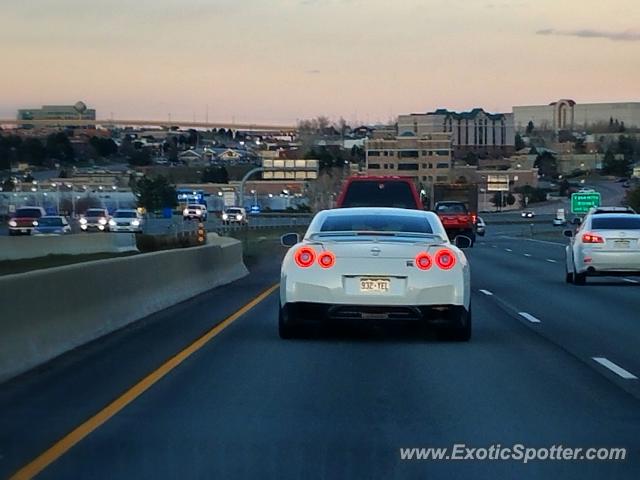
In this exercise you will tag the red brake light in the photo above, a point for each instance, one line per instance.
(592, 238)
(423, 261)
(326, 259)
(445, 259)
(305, 257)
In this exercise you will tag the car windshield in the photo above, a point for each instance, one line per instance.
(234, 211)
(125, 215)
(28, 213)
(376, 223)
(95, 213)
(50, 222)
(451, 208)
(195, 206)
(616, 223)
(394, 193)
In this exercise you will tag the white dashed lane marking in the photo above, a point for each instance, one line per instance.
(486, 292)
(617, 369)
(551, 260)
(529, 317)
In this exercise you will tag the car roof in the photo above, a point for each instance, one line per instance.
(52, 216)
(618, 215)
(612, 209)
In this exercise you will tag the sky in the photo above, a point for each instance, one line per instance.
(278, 61)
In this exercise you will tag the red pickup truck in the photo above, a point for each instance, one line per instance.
(456, 219)
(379, 191)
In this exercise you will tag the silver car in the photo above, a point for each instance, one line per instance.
(126, 220)
(606, 244)
(95, 219)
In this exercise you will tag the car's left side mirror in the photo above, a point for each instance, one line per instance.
(462, 241)
(289, 239)
(568, 233)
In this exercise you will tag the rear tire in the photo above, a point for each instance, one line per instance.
(461, 330)
(568, 277)
(289, 325)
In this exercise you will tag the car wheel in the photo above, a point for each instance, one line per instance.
(579, 278)
(460, 330)
(288, 324)
(568, 278)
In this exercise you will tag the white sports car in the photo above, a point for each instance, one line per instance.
(375, 264)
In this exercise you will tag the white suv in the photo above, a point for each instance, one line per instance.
(195, 212)
(234, 215)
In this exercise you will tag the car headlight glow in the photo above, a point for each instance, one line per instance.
(35, 223)
(112, 223)
(83, 221)
(102, 221)
(225, 216)
(13, 223)
(135, 223)
(238, 217)
(185, 211)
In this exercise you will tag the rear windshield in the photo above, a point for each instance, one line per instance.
(50, 222)
(379, 194)
(616, 223)
(125, 215)
(376, 223)
(28, 213)
(451, 208)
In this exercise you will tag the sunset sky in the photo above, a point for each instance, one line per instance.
(282, 60)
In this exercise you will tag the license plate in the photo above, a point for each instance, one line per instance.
(24, 230)
(621, 243)
(375, 285)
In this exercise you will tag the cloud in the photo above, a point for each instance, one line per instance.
(624, 36)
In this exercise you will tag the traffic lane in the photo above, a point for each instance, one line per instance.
(595, 320)
(249, 405)
(39, 407)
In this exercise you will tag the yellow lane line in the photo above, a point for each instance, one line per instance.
(67, 442)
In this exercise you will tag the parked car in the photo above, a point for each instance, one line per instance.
(126, 220)
(22, 222)
(95, 219)
(195, 212)
(237, 215)
(51, 225)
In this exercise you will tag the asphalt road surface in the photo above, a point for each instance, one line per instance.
(246, 404)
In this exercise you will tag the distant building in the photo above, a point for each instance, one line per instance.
(79, 111)
(566, 114)
(481, 133)
(426, 158)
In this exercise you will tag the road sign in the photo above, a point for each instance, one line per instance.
(284, 169)
(498, 183)
(581, 202)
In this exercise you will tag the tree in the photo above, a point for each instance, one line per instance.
(104, 147)
(58, 146)
(155, 194)
(140, 158)
(8, 185)
(530, 127)
(613, 165)
(215, 175)
(471, 158)
(519, 142)
(547, 164)
(633, 198)
(33, 152)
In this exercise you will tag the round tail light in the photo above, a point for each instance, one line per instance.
(305, 257)
(423, 261)
(326, 259)
(445, 259)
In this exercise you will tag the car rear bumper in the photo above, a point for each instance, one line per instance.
(608, 262)
(322, 312)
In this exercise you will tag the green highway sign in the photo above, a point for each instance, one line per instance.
(582, 202)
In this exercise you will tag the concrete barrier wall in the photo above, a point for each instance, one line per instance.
(16, 248)
(48, 312)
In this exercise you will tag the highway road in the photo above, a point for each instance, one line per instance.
(548, 364)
